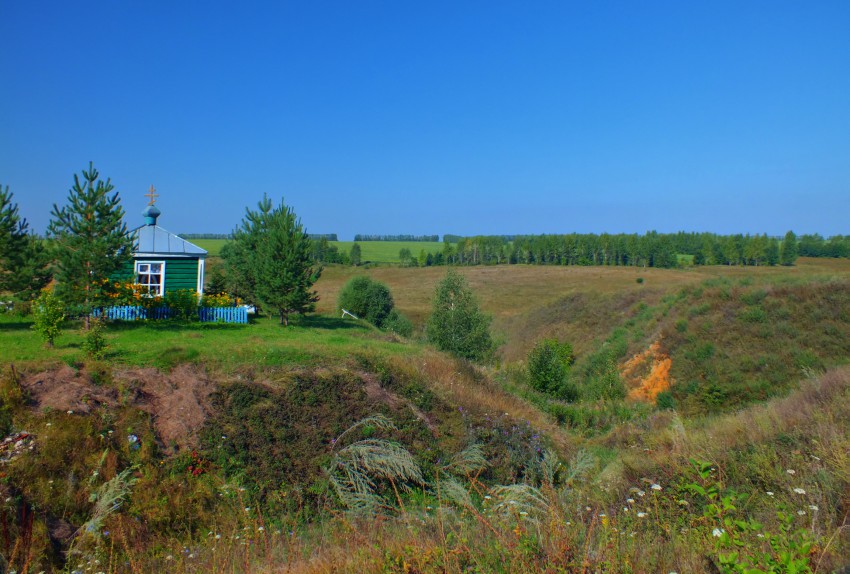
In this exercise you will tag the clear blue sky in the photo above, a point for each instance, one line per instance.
(436, 117)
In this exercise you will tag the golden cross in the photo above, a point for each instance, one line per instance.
(152, 196)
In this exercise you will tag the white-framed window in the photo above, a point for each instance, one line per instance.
(151, 274)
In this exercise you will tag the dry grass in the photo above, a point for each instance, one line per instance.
(579, 304)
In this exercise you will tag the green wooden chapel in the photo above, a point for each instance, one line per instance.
(162, 261)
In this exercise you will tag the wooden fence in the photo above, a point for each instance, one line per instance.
(205, 314)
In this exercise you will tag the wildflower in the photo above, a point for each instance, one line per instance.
(799, 491)
(641, 493)
(769, 493)
(247, 509)
(655, 487)
(630, 500)
(487, 497)
(70, 412)
(813, 508)
(260, 529)
(523, 513)
(801, 512)
(641, 514)
(791, 471)
(760, 535)
(218, 536)
(816, 458)
(717, 532)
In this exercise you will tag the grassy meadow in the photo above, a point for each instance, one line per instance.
(242, 430)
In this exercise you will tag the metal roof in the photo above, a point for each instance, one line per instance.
(153, 239)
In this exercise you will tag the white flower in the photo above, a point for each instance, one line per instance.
(760, 535)
(260, 529)
(799, 491)
(630, 500)
(790, 471)
(717, 532)
(640, 493)
(641, 514)
(801, 512)
(655, 487)
(769, 493)
(813, 508)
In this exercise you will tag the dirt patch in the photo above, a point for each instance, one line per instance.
(178, 402)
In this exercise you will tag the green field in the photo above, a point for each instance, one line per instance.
(372, 251)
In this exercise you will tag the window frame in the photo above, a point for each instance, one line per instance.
(138, 273)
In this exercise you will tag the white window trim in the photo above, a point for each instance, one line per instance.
(200, 289)
(161, 277)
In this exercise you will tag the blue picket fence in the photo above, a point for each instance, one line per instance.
(206, 314)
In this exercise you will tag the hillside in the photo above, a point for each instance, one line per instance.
(222, 443)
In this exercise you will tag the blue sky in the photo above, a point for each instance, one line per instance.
(437, 117)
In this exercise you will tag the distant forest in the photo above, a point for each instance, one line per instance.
(362, 237)
(648, 250)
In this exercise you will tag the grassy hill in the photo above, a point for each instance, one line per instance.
(223, 443)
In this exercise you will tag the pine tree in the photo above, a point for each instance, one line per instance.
(457, 325)
(789, 250)
(271, 255)
(23, 259)
(90, 241)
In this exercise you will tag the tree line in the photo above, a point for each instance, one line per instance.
(363, 237)
(652, 249)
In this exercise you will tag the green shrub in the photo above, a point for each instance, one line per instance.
(665, 401)
(753, 315)
(183, 304)
(94, 342)
(49, 313)
(682, 325)
(548, 368)
(368, 299)
(457, 324)
(399, 324)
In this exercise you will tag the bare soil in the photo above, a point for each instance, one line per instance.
(178, 402)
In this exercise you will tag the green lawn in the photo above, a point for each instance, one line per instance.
(374, 251)
(308, 341)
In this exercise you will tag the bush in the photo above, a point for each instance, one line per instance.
(49, 313)
(183, 304)
(548, 368)
(368, 299)
(457, 324)
(399, 324)
(94, 343)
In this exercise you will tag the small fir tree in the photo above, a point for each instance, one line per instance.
(90, 241)
(23, 259)
(270, 256)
